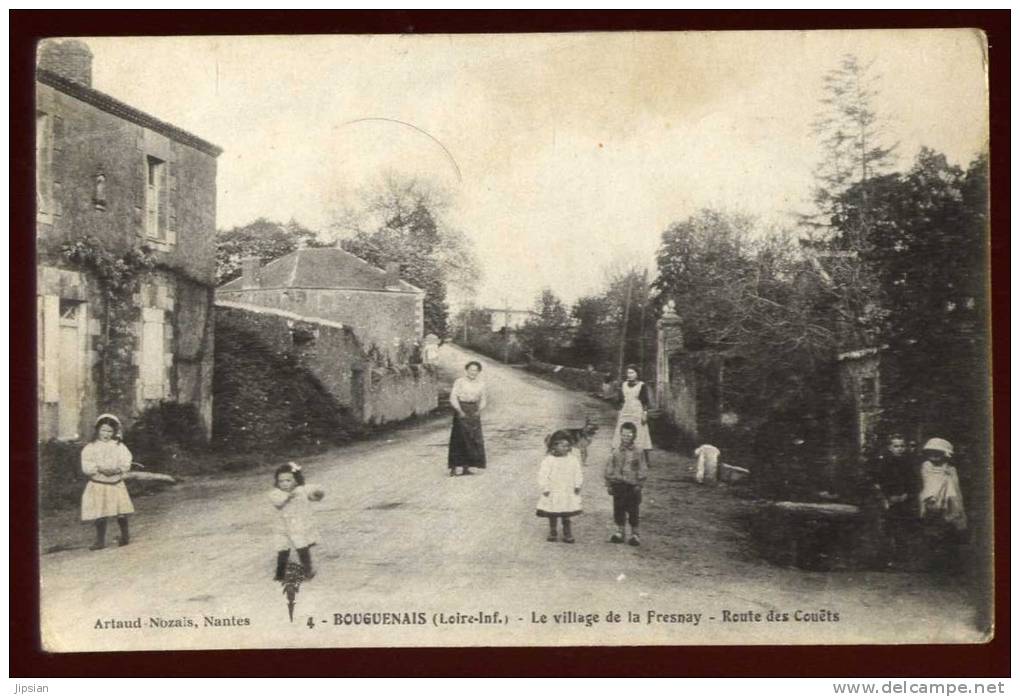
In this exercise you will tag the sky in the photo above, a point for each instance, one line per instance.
(562, 153)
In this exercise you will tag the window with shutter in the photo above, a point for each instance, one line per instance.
(155, 198)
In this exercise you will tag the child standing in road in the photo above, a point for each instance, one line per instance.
(943, 518)
(625, 475)
(294, 525)
(105, 461)
(559, 479)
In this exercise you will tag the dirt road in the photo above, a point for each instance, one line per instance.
(425, 559)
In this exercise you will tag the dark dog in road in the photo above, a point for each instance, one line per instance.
(581, 438)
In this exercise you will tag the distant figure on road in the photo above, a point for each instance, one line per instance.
(559, 479)
(105, 461)
(294, 525)
(634, 394)
(468, 399)
(430, 354)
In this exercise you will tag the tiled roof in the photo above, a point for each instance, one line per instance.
(116, 107)
(322, 267)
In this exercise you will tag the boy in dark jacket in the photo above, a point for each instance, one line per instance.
(625, 474)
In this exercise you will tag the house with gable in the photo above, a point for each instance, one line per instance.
(385, 312)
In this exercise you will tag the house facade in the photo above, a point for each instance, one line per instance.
(125, 224)
(385, 312)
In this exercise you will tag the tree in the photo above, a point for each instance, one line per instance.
(402, 220)
(928, 253)
(591, 315)
(262, 238)
(850, 134)
(748, 300)
(543, 334)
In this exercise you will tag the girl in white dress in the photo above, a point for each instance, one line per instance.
(559, 479)
(634, 410)
(294, 525)
(943, 517)
(105, 461)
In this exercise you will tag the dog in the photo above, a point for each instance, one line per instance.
(581, 438)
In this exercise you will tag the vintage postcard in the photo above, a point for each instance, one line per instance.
(630, 338)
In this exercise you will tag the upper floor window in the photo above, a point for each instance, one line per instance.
(155, 198)
(44, 163)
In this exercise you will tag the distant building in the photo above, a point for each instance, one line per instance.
(332, 284)
(114, 179)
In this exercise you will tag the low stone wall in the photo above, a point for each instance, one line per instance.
(328, 350)
(332, 354)
(397, 394)
(575, 378)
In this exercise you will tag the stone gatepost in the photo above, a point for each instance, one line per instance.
(669, 340)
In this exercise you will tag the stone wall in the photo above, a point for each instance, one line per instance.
(398, 394)
(577, 378)
(327, 350)
(384, 319)
(332, 353)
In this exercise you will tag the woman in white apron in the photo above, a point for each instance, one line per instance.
(635, 410)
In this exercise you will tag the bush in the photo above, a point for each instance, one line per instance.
(61, 480)
(165, 435)
(493, 345)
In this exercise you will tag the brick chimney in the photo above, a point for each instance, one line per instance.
(250, 272)
(392, 274)
(69, 58)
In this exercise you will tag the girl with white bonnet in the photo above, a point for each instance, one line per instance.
(106, 461)
(943, 517)
(941, 498)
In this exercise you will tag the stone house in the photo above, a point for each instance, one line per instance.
(116, 184)
(384, 311)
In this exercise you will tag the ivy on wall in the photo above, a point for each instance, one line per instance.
(119, 277)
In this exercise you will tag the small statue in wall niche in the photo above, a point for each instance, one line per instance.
(99, 193)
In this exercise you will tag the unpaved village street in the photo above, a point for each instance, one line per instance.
(400, 536)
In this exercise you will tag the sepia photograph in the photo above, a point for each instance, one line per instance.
(658, 338)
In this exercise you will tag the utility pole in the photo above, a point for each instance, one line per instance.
(506, 331)
(623, 332)
(641, 329)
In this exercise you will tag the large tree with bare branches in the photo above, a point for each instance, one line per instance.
(403, 219)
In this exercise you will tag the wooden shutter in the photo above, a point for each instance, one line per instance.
(171, 208)
(51, 348)
(44, 158)
(153, 372)
(55, 159)
(163, 210)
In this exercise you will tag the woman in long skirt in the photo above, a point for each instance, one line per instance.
(468, 399)
(634, 410)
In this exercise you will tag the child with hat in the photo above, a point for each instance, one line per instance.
(105, 461)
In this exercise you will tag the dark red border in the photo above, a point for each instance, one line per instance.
(26, 660)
